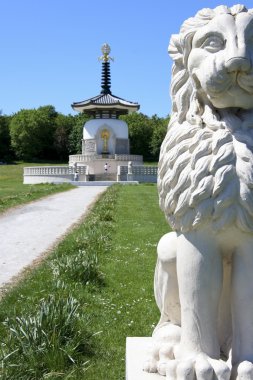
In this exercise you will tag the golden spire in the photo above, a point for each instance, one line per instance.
(106, 51)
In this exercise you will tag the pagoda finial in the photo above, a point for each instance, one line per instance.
(106, 51)
(106, 76)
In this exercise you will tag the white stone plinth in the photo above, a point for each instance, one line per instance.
(136, 350)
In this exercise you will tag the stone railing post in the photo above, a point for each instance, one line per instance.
(130, 171)
(118, 173)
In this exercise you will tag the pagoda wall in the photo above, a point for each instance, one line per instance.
(117, 143)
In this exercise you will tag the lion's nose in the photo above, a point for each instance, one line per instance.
(238, 64)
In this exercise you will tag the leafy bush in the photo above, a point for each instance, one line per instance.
(50, 340)
(82, 267)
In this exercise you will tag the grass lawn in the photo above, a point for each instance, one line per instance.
(13, 192)
(69, 319)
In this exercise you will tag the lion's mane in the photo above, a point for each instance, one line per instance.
(206, 160)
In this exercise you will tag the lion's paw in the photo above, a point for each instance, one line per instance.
(242, 371)
(166, 354)
(150, 365)
(165, 338)
(201, 368)
(158, 357)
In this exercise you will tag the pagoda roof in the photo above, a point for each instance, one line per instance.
(106, 102)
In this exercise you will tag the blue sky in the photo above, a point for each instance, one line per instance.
(50, 50)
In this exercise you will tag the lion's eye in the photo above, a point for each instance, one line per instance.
(213, 44)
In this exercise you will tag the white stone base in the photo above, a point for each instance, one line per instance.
(136, 349)
(103, 183)
(33, 180)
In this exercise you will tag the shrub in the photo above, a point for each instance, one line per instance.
(50, 340)
(81, 267)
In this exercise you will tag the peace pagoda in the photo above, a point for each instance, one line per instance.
(105, 136)
(105, 154)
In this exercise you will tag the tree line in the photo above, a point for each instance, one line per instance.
(44, 134)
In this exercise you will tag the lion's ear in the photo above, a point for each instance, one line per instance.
(175, 49)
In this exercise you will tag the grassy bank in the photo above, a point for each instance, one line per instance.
(71, 317)
(13, 192)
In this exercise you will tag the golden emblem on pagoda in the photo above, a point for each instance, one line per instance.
(105, 134)
(106, 51)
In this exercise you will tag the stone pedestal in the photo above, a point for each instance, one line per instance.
(136, 350)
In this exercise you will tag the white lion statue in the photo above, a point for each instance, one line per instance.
(204, 273)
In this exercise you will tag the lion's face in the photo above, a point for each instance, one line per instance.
(220, 62)
(206, 160)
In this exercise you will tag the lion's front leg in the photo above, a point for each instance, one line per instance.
(199, 271)
(167, 333)
(242, 309)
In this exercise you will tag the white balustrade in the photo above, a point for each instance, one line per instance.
(118, 157)
(139, 173)
(128, 157)
(54, 170)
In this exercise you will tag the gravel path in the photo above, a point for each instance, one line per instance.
(28, 231)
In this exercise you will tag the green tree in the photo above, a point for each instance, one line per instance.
(140, 134)
(63, 128)
(159, 127)
(76, 135)
(6, 152)
(48, 111)
(32, 133)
